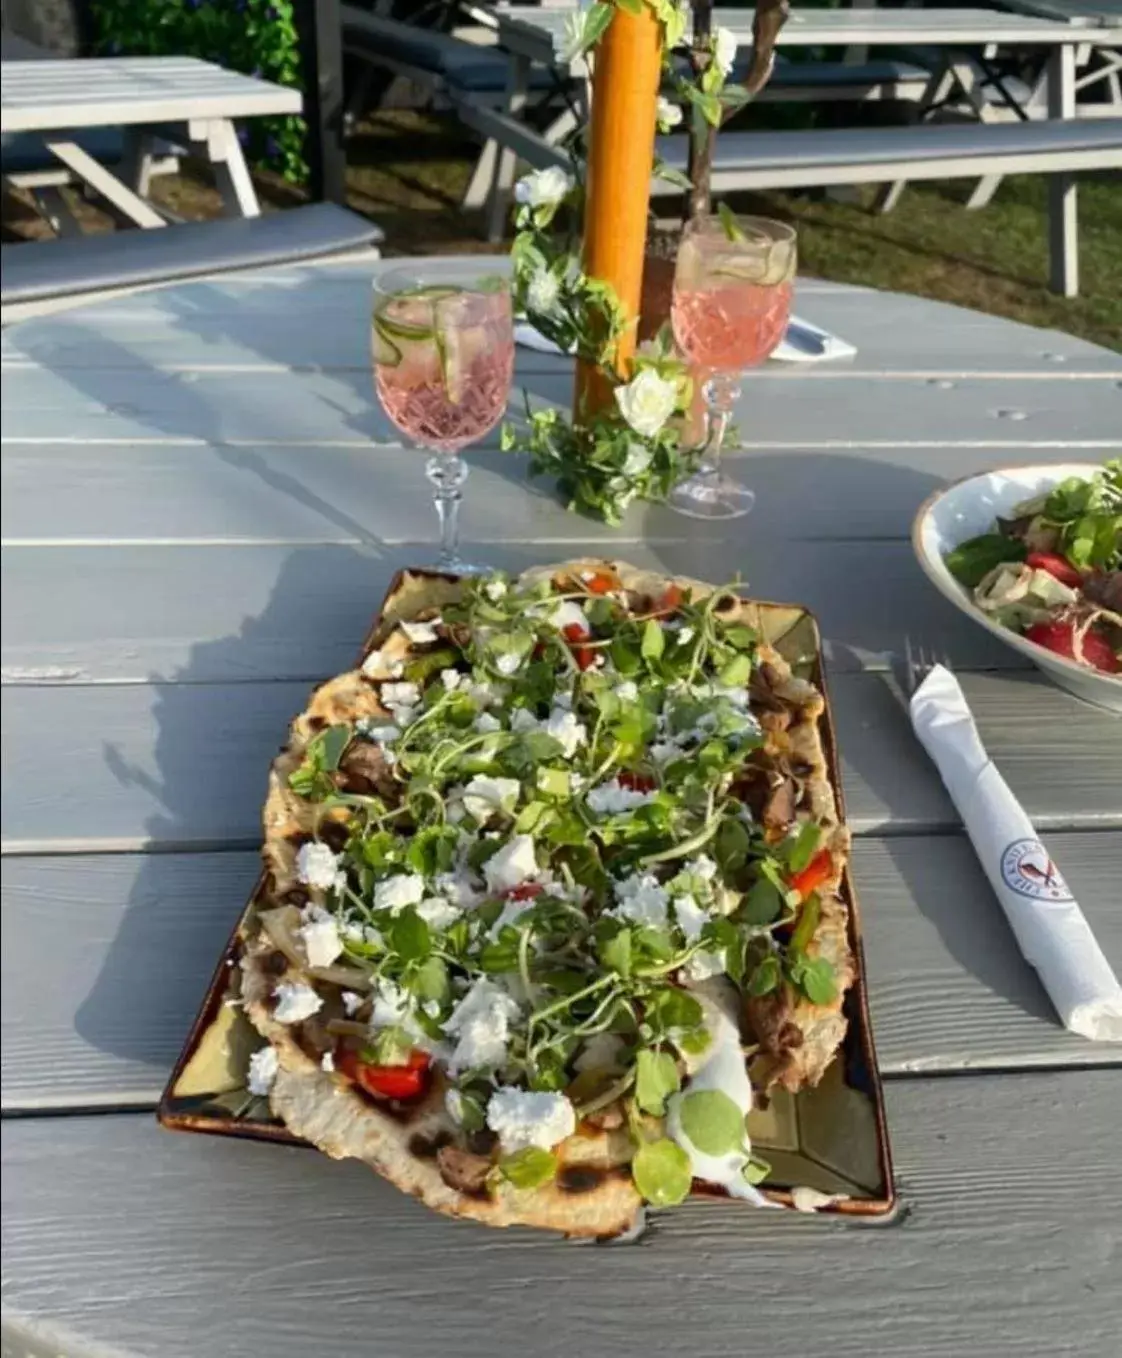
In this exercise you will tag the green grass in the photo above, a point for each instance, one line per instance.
(408, 171)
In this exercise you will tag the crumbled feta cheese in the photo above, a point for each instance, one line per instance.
(317, 866)
(354, 932)
(485, 796)
(511, 866)
(569, 614)
(524, 1118)
(457, 888)
(628, 691)
(703, 867)
(378, 665)
(322, 942)
(690, 916)
(494, 590)
(610, 799)
(395, 893)
(352, 1002)
(522, 719)
(481, 1024)
(486, 724)
(641, 899)
(437, 912)
(510, 662)
(486, 694)
(327, 1062)
(564, 701)
(431, 1008)
(262, 1070)
(420, 633)
(704, 964)
(566, 730)
(685, 636)
(450, 679)
(381, 733)
(454, 1102)
(663, 751)
(401, 699)
(391, 1005)
(295, 1002)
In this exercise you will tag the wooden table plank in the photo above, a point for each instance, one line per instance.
(198, 613)
(167, 493)
(94, 406)
(949, 990)
(248, 320)
(183, 765)
(251, 1248)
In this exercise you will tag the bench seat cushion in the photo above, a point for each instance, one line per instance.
(465, 65)
(39, 270)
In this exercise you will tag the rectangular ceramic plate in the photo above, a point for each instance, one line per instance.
(833, 1138)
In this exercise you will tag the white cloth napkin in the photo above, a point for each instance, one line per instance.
(803, 343)
(1049, 926)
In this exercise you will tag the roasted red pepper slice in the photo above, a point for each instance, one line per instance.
(600, 582)
(669, 602)
(818, 870)
(1059, 637)
(637, 782)
(574, 633)
(526, 892)
(409, 1081)
(1057, 566)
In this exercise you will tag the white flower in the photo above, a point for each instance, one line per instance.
(450, 679)
(317, 866)
(642, 900)
(327, 1062)
(437, 912)
(397, 892)
(543, 292)
(572, 45)
(483, 796)
(481, 1023)
(669, 114)
(611, 799)
(420, 633)
(724, 50)
(638, 459)
(378, 665)
(543, 188)
(524, 1118)
(511, 866)
(647, 402)
(295, 1002)
(566, 730)
(494, 590)
(322, 942)
(262, 1070)
(486, 724)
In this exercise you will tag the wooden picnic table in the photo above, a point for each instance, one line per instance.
(203, 504)
(196, 99)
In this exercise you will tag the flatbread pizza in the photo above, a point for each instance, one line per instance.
(553, 885)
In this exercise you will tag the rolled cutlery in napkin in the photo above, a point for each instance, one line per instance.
(803, 343)
(1049, 926)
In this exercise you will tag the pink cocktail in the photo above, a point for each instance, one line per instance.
(443, 360)
(732, 300)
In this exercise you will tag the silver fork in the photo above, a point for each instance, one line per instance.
(919, 661)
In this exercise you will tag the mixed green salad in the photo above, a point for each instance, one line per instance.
(1052, 570)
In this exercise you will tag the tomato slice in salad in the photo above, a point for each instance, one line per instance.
(574, 633)
(814, 874)
(1058, 567)
(408, 1081)
(1059, 637)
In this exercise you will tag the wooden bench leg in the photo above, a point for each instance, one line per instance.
(938, 89)
(482, 182)
(1063, 228)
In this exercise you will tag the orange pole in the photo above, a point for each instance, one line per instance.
(620, 161)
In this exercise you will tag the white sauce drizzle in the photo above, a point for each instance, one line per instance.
(721, 1067)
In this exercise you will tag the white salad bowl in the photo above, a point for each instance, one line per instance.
(969, 508)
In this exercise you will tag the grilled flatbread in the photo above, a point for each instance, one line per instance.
(544, 876)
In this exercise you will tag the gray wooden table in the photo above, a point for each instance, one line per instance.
(197, 99)
(202, 506)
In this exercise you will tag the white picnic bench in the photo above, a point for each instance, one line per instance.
(841, 156)
(202, 506)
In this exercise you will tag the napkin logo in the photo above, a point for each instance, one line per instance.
(1027, 870)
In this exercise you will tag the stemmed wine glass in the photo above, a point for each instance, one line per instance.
(443, 345)
(731, 304)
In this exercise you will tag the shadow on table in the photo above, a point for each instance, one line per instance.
(817, 538)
